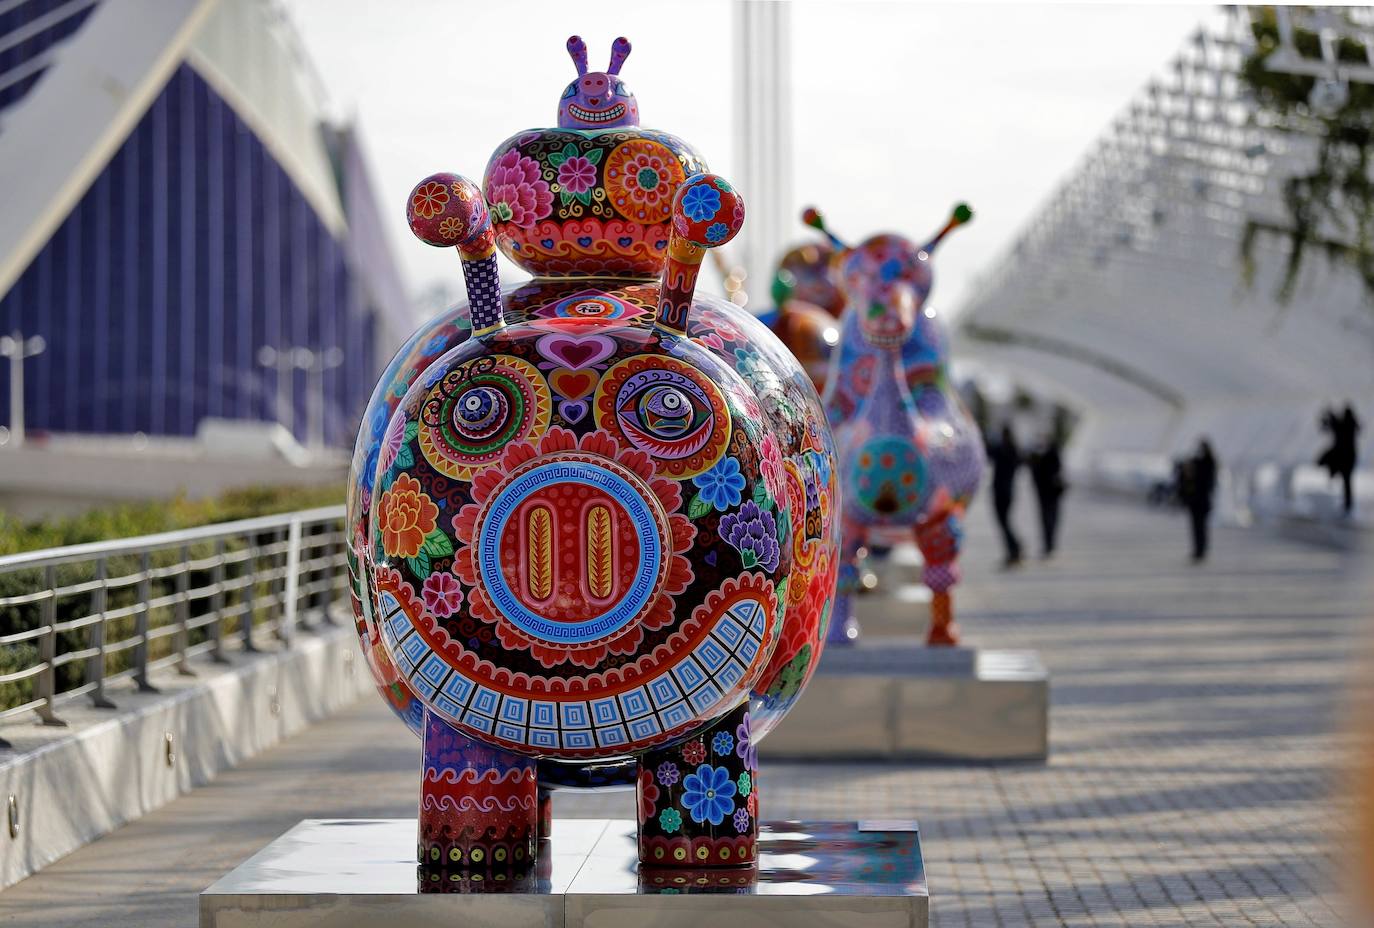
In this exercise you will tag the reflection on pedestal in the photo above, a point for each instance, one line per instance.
(358, 874)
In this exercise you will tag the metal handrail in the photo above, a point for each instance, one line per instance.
(115, 546)
(173, 600)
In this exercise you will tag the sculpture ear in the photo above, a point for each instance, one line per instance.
(961, 214)
(577, 51)
(620, 50)
(813, 218)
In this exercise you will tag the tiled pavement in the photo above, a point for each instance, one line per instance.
(1196, 737)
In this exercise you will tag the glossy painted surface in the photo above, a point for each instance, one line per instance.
(809, 304)
(373, 857)
(787, 471)
(911, 457)
(602, 514)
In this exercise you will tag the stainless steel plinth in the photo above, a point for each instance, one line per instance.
(887, 698)
(361, 874)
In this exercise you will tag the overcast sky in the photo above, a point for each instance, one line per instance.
(899, 109)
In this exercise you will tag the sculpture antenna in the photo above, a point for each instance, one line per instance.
(448, 211)
(962, 213)
(813, 218)
(577, 50)
(620, 50)
(707, 213)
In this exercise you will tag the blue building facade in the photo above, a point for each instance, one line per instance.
(191, 252)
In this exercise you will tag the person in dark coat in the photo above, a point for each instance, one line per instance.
(1341, 458)
(1198, 483)
(1005, 458)
(1047, 473)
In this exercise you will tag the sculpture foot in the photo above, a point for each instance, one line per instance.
(479, 808)
(545, 813)
(943, 630)
(698, 799)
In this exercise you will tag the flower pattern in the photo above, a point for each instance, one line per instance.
(517, 191)
(430, 200)
(391, 443)
(694, 752)
(716, 231)
(442, 594)
(753, 532)
(711, 790)
(770, 464)
(642, 176)
(406, 515)
(701, 202)
(745, 748)
(648, 795)
(576, 175)
(722, 485)
(708, 794)
(450, 227)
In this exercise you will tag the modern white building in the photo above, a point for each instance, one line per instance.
(1127, 296)
(188, 236)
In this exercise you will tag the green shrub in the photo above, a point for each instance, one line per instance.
(125, 522)
(130, 520)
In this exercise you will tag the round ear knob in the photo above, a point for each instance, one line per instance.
(707, 211)
(448, 211)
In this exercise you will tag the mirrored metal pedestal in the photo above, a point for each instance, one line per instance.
(897, 698)
(362, 874)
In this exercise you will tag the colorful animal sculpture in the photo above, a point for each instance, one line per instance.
(594, 516)
(910, 454)
(808, 306)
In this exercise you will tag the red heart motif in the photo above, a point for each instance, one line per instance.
(573, 384)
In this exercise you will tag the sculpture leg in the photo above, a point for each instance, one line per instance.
(698, 799)
(545, 813)
(844, 622)
(943, 630)
(938, 537)
(479, 807)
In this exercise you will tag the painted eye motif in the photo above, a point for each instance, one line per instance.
(665, 413)
(570, 91)
(619, 89)
(479, 411)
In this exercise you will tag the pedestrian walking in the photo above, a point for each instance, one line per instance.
(1006, 459)
(1047, 474)
(1198, 481)
(1341, 459)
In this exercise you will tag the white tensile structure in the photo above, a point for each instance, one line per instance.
(1125, 296)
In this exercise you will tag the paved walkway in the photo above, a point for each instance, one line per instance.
(1195, 749)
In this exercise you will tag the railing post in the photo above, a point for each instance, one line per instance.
(95, 664)
(46, 683)
(328, 574)
(291, 583)
(250, 567)
(183, 607)
(145, 597)
(217, 605)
